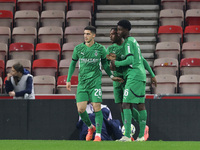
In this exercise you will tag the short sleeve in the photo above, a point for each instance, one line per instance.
(129, 46)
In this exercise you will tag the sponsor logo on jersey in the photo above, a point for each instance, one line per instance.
(89, 60)
(96, 53)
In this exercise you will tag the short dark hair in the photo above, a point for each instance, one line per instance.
(91, 28)
(19, 68)
(115, 29)
(125, 24)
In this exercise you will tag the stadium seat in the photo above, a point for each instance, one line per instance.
(50, 34)
(67, 50)
(191, 50)
(189, 84)
(53, 18)
(82, 5)
(64, 67)
(167, 49)
(45, 67)
(192, 17)
(61, 85)
(24, 34)
(171, 17)
(21, 51)
(193, 4)
(74, 34)
(5, 35)
(170, 33)
(6, 18)
(44, 84)
(48, 51)
(173, 4)
(78, 18)
(3, 51)
(8, 5)
(2, 69)
(192, 34)
(190, 66)
(29, 5)
(25, 62)
(166, 66)
(166, 84)
(55, 5)
(1, 85)
(27, 18)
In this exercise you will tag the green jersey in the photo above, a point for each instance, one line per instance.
(89, 63)
(118, 50)
(136, 69)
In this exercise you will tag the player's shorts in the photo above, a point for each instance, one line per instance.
(92, 94)
(134, 91)
(118, 91)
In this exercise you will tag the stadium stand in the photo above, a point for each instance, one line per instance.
(82, 5)
(191, 50)
(25, 62)
(1, 85)
(67, 50)
(192, 34)
(173, 4)
(64, 67)
(6, 18)
(193, 4)
(8, 5)
(29, 5)
(2, 69)
(192, 17)
(55, 5)
(190, 66)
(3, 51)
(74, 34)
(5, 35)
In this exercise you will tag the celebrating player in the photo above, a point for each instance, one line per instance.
(90, 54)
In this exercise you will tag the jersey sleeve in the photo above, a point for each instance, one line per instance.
(148, 68)
(103, 53)
(74, 55)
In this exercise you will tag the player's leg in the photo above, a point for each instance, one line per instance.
(96, 99)
(135, 114)
(127, 118)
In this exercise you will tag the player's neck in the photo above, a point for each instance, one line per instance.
(89, 44)
(120, 42)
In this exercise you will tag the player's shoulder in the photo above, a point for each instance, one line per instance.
(99, 46)
(79, 46)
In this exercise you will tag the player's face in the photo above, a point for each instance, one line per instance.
(121, 31)
(88, 36)
(113, 36)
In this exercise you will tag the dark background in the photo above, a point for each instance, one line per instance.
(168, 119)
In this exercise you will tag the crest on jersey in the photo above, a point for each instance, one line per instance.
(96, 53)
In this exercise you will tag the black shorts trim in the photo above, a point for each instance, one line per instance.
(136, 94)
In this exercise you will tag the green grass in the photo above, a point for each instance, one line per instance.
(104, 145)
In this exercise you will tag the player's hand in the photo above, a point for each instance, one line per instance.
(68, 86)
(111, 56)
(8, 76)
(12, 93)
(154, 81)
(112, 65)
(118, 79)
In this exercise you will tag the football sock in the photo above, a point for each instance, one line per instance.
(142, 122)
(127, 121)
(135, 115)
(98, 121)
(122, 116)
(85, 118)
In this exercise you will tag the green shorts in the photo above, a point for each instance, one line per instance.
(93, 94)
(134, 91)
(118, 91)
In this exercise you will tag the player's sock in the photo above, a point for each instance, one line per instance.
(135, 115)
(122, 116)
(142, 122)
(85, 118)
(98, 121)
(127, 121)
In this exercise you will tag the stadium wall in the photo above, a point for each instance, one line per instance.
(168, 119)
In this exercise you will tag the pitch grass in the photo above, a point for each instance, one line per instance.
(104, 145)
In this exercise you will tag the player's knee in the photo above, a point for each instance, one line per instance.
(81, 110)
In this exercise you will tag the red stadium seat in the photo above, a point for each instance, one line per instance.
(44, 84)
(2, 68)
(55, 5)
(48, 51)
(45, 67)
(193, 4)
(82, 5)
(29, 5)
(189, 84)
(192, 17)
(192, 34)
(8, 5)
(6, 18)
(170, 33)
(3, 51)
(166, 84)
(190, 66)
(61, 85)
(191, 50)
(166, 66)
(21, 51)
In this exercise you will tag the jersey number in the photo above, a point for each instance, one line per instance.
(97, 92)
(126, 92)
